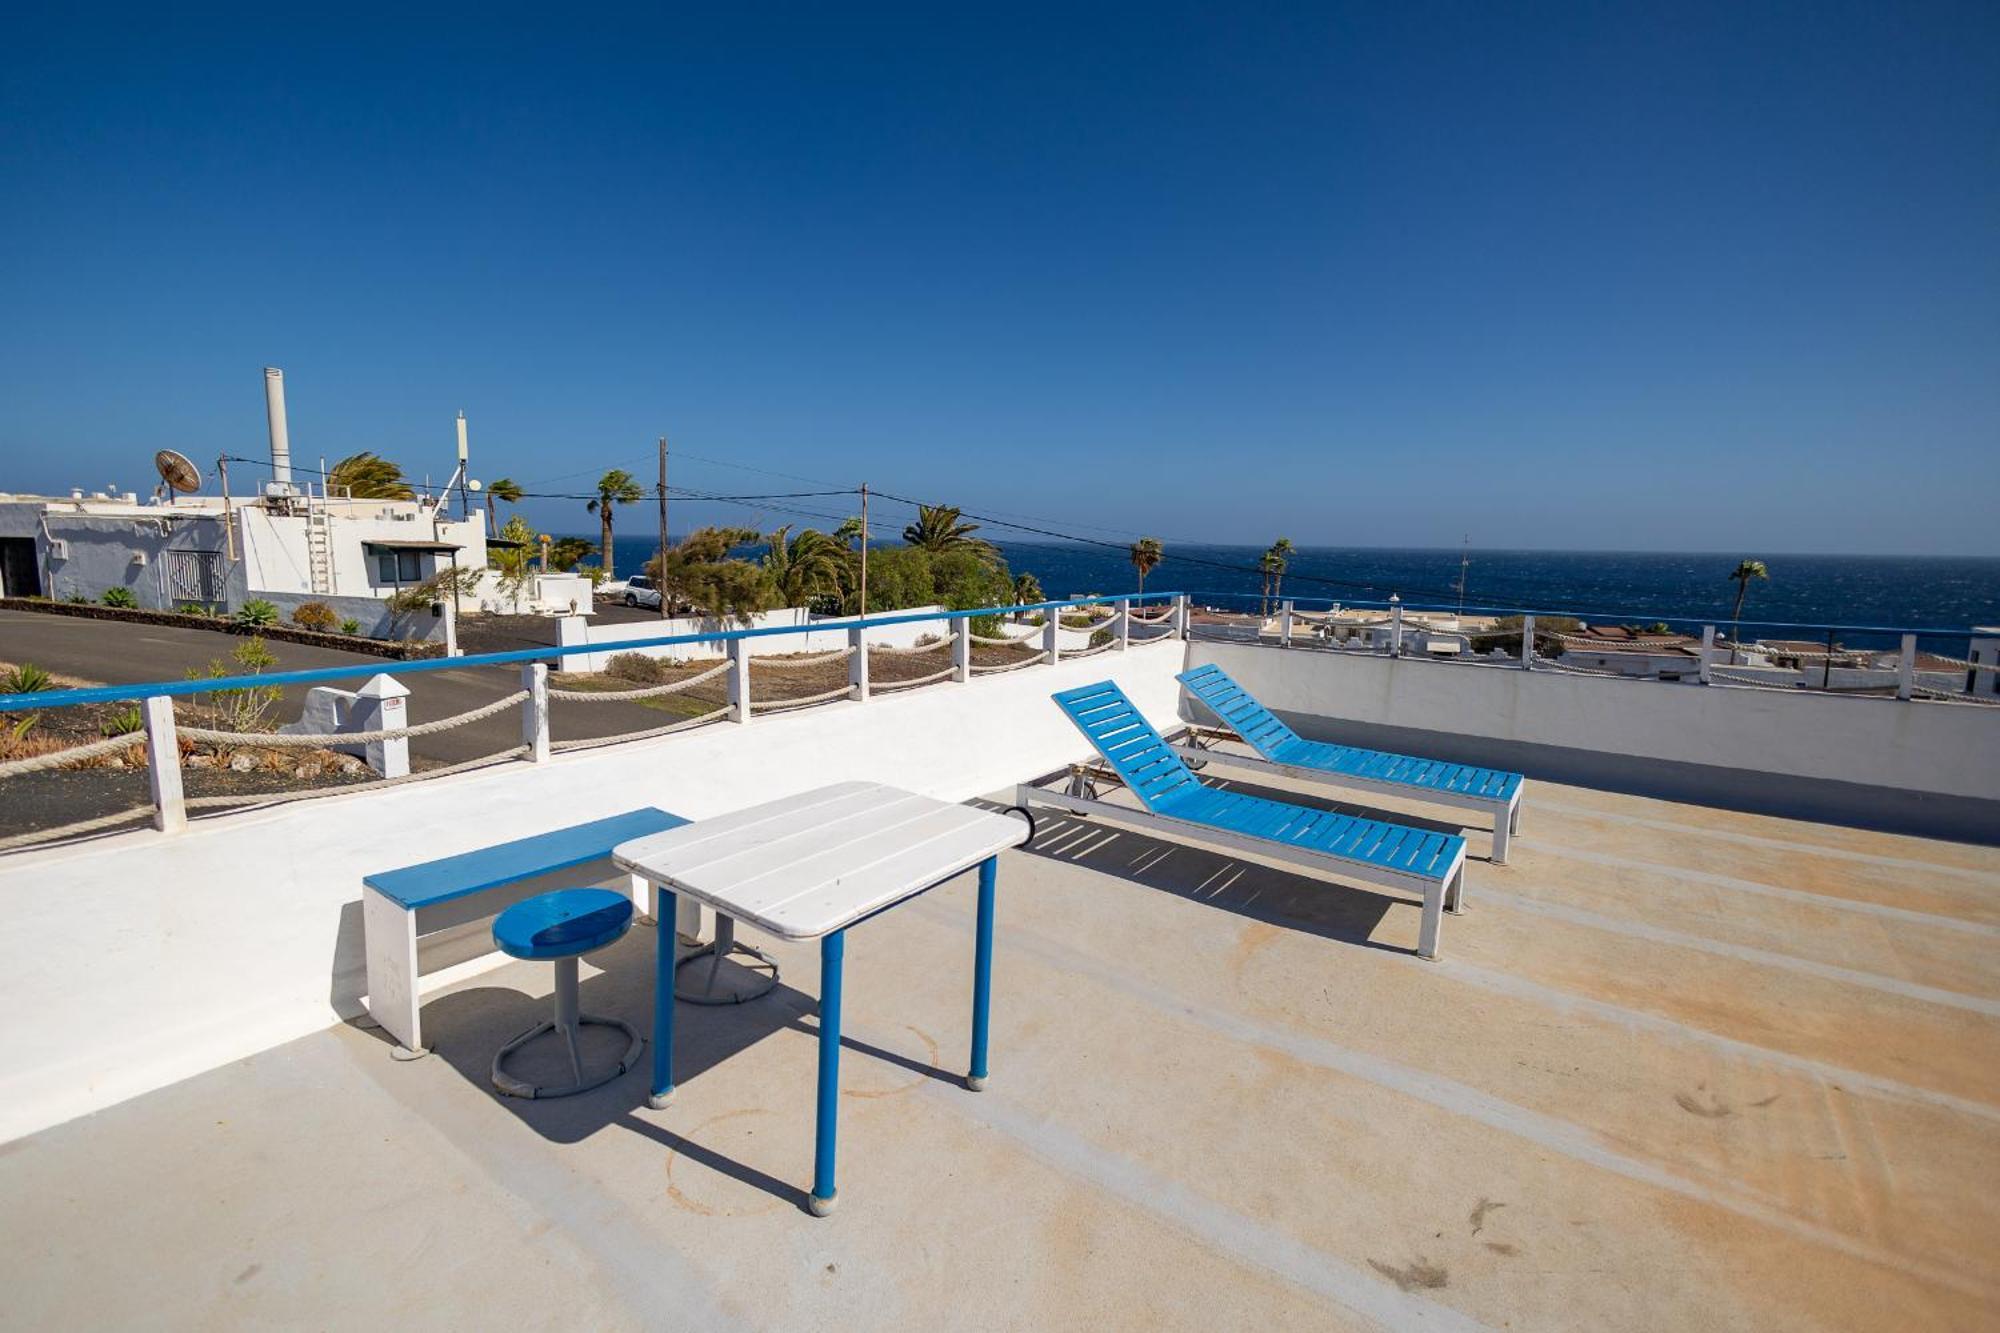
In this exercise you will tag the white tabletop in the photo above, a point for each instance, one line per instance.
(811, 864)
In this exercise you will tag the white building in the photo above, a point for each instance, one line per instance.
(288, 545)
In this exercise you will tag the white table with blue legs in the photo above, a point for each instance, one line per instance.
(810, 867)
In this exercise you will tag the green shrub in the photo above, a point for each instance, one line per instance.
(256, 613)
(123, 723)
(78, 599)
(242, 709)
(350, 626)
(638, 668)
(26, 678)
(119, 597)
(1099, 638)
(314, 615)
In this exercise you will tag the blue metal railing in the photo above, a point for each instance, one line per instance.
(1597, 616)
(173, 688)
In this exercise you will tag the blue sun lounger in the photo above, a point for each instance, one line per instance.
(1281, 750)
(1176, 804)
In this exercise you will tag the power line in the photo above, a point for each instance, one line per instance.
(761, 504)
(1184, 559)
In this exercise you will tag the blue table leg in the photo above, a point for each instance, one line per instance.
(666, 939)
(982, 972)
(831, 949)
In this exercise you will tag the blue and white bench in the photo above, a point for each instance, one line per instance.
(400, 907)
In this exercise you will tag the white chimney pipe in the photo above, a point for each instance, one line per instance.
(281, 441)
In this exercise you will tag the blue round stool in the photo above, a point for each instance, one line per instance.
(561, 927)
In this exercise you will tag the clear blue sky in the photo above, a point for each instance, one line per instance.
(1661, 276)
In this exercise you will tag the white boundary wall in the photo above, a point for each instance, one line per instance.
(243, 932)
(824, 637)
(1938, 749)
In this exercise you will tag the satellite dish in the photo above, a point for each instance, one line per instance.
(177, 472)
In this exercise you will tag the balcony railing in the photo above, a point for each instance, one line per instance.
(1133, 620)
(1910, 664)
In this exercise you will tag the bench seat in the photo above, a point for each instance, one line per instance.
(400, 906)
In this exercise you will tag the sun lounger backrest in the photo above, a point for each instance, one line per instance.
(1237, 708)
(1126, 740)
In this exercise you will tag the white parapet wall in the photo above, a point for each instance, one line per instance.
(244, 931)
(822, 636)
(1930, 768)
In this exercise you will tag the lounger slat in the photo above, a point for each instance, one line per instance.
(1278, 743)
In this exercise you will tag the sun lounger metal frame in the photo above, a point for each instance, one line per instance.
(1346, 847)
(1494, 791)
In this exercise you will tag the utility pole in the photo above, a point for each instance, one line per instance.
(662, 585)
(1464, 561)
(228, 511)
(864, 549)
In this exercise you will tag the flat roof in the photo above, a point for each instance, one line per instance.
(1678, 1068)
(401, 544)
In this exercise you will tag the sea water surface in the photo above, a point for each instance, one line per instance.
(1808, 592)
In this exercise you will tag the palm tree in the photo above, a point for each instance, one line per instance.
(505, 490)
(938, 530)
(1027, 591)
(1745, 571)
(1272, 567)
(803, 567)
(1146, 557)
(367, 476)
(615, 487)
(1283, 549)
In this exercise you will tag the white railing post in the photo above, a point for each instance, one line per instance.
(1527, 643)
(1123, 631)
(535, 711)
(1983, 650)
(1182, 617)
(1285, 623)
(1707, 652)
(163, 764)
(1906, 669)
(1051, 628)
(961, 649)
(383, 705)
(1395, 625)
(739, 681)
(857, 665)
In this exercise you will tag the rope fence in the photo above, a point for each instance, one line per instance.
(75, 754)
(1010, 666)
(644, 692)
(77, 829)
(278, 740)
(790, 663)
(597, 742)
(891, 686)
(912, 651)
(313, 793)
(781, 705)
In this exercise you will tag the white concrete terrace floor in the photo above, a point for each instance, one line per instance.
(1677, 1069)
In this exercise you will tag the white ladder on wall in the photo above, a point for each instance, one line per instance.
(319, 543)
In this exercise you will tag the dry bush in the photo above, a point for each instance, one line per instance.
(639, 669)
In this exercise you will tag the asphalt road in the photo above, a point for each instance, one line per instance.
(120, 652)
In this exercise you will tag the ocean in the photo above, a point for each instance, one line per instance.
(1923, 592)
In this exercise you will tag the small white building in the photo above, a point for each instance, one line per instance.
(287, 545)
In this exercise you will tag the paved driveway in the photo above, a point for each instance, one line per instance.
(121, 652)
